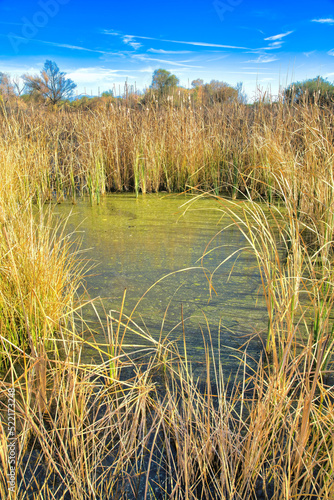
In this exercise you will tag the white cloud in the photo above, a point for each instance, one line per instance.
(308, 54)
(328, 20)
(279, 37)
(217, 58)
(275, 45)
(149, 69)
(271, 46)
(182, 64)
(95, 75)
(201, 44)
(262, 60)
(110, 32)
(62, 45)
(331, 52)
(249, 73)
(161, 51)
(250, 68)
(129, 40)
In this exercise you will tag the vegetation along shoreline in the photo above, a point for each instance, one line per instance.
(125, 428)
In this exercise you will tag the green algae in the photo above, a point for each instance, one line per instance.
(138, 241)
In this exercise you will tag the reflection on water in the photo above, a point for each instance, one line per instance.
(138, 241)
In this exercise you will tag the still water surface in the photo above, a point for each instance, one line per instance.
(138, 241)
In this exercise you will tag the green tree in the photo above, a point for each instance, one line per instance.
(197, 90)
(317, 90)
(163, 81)
(51, 84)
(197, 83)
(108, 93)
(217, 91)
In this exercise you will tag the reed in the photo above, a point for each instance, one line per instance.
(136, 423)
(226, 148)
(39, 278)
(39, 269)
(96, 433)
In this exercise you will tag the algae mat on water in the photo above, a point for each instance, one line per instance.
(138, 241)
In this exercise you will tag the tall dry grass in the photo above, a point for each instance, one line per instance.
(167, 148)
(152, 430)
(146, 428)
(40, 269)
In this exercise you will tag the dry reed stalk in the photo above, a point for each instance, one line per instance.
(85, 432)
(222, 147)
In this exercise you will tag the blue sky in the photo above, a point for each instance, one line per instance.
(102, 44)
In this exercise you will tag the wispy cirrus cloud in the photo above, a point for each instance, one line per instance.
(327, 20)
(60, 45)
(182, 64)
(279, 37)
(223, 56)
(96, 74)
(249, 73)
(161, 51)
(199, 44)
(270, 46)
(331, 52)
(274, 45)
(148, 69)
(262, 60)
(308, 54)
(129, 40)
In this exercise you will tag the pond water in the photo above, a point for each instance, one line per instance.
(137, 242)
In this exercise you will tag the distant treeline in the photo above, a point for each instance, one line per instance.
(51, 88)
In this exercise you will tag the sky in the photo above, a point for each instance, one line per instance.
(101, 45)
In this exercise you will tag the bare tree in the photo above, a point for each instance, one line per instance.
(6, 87)
(18, 85)
(52, 84)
